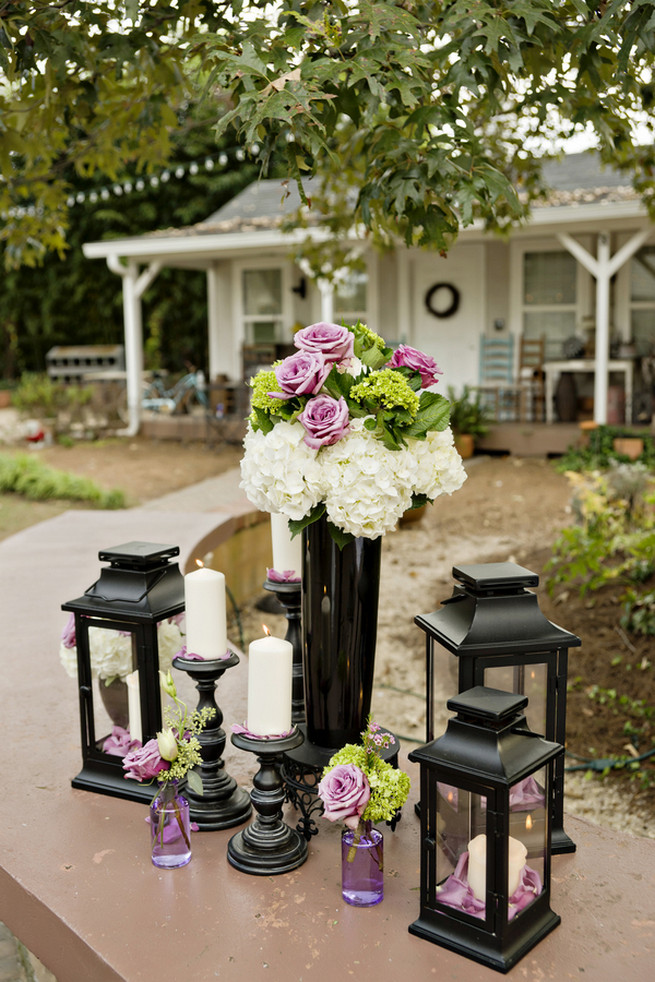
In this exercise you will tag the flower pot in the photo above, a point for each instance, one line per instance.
(628, 446)
(465, 445)
(340, 589)
(362, 868)
(170, 828)
(114, 699)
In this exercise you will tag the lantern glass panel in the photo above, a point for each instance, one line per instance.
(529, 825)
(461, 816)
(529, 680)
(114, 670)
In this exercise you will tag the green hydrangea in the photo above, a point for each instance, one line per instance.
(367, 337)
(263, 383)
(389, 785)
(387, 388)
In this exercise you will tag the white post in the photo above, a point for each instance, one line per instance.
(327, 300)
(224, 338)
(601, 376)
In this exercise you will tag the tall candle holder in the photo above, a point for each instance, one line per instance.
(288, 594)
(222, 804)
(268, 845)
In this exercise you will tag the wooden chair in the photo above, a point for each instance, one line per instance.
(531, 378)
(497, 388)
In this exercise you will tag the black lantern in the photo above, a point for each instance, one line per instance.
(485, 831)
(493, 623)
(116, 625)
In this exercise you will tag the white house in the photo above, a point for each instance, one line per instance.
(583, 266)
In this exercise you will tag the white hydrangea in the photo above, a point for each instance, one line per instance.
(365, 486)
(435, 465)
(279, 472)
(111, 651)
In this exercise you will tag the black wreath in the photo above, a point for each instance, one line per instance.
(452, 307)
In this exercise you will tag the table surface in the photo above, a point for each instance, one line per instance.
(78, 888)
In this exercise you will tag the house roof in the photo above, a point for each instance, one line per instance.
(253, 218)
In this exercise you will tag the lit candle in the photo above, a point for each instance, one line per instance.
(134, 705)
(477, 870)
(204, 598)
(270, 662)
(287, 551)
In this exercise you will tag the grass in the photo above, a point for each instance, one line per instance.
(28, 477)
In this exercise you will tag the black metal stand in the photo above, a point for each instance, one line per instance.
(302, 770)
(222, 804)
(288, 595)
(267, 846)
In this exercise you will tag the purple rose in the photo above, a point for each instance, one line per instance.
(418, 361)
(302, 374)
(325, 420)
(144, 763)
(345, 793)
(334, 342)
(119, 742)
(68, 634)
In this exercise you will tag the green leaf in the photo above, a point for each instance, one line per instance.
(296, 525)
(433, 414)
(340, 537)
(194, 781)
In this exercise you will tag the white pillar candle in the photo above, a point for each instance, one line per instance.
(206, 627)
(477, 870)
(287, 551)
(270, 662)
(134, 705)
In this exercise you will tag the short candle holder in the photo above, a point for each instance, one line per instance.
(268, 845)
(288, 594)
(222, 804)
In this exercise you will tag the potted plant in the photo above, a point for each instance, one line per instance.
(469, 419)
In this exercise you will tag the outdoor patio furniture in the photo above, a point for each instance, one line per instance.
(498, 388)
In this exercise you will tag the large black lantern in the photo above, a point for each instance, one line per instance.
(116, 635)
(485, 831)
(493, 624)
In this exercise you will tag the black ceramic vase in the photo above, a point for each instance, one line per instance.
(340, 590)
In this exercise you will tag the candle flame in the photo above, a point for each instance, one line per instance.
(528, 822)
(266, 631)
(200, 563)
(451, 797)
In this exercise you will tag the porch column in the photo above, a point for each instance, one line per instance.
(327, 300)
(223, 336)
(134, 286)
(603, 268)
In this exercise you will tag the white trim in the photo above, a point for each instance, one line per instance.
(254, 262)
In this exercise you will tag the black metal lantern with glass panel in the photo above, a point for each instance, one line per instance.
(493, 624)
(116, 636)
(485, 831)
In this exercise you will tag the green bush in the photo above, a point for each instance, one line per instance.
(25, 475)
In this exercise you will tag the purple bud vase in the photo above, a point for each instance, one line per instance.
(170, 832)
(362, 868)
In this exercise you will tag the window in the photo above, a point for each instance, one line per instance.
(549, 300)
(350, 298)
(642, 299)
(262, 305)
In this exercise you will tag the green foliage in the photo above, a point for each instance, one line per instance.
(433, 110)
(637, 727)
(639, 610)
(38, 395)
(25, 475)
(468, 415)
(600, 454)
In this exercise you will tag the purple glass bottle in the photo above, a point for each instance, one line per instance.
(362, 868)
(170, 832)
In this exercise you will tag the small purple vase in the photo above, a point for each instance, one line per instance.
(362, 868)
(170, 832)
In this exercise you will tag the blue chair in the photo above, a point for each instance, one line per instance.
(498, 389)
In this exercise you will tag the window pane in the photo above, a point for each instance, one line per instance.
(642, 274)
(262, 292)
(643, 331)
(555, 325)
(549, 278)
(351, 295)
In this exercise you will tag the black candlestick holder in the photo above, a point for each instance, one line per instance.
(288, 594)
(222, 804)
(268, 845)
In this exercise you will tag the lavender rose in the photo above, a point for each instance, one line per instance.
(144, 763)
(325, 420)
(331, 340)
(68, 634)
(345, 793)
(302, 374)
(418, 361)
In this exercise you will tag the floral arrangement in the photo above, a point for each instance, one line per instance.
(358, 786)
(111, 651)
(176, 749)
(348, 428)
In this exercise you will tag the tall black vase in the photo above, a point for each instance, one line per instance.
(340, 590)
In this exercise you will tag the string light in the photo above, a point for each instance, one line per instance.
(128, 187)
